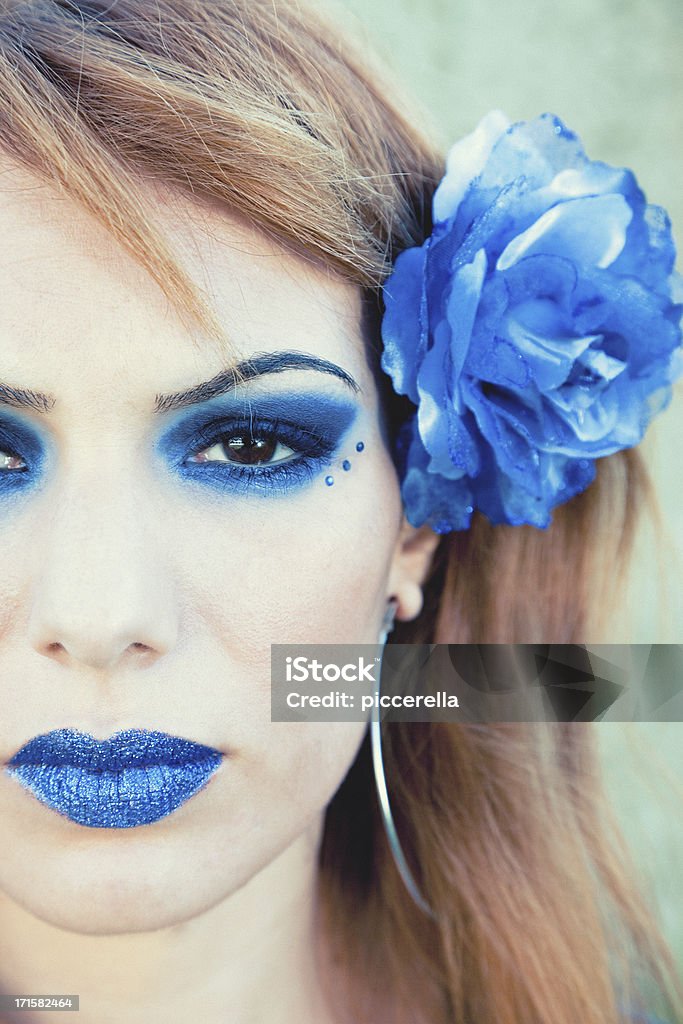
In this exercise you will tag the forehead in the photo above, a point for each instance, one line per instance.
(77, 308)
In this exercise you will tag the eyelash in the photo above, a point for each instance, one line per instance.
(311, 450)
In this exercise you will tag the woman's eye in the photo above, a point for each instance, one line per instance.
(246, 449)
(8, 461)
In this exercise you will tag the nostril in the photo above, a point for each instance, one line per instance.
(139, 648)
(57, 648)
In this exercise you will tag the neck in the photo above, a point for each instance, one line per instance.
(247, 960)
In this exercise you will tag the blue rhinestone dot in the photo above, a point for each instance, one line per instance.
(346, 464)
(468, 508)
(360, 446)
(329, 480)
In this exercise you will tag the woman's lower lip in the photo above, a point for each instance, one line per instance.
(123, 798)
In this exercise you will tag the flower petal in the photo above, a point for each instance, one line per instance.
(429, 497)
(537, 331)
(465, 161)
(591, 179)
(403, 330)
(461, 310)
(592, 228)
(442, 427)
(511, 441)
(589, 423)
(537, 149)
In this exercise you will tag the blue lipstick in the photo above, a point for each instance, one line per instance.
(133, 778)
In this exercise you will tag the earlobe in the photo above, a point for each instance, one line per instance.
(409, 600)
(413, 556)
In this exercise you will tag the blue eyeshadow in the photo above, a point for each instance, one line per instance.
(312, 426)
(19, 440)
(305, 429)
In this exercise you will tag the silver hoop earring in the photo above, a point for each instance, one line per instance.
(383, 793)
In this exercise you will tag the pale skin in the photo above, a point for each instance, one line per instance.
(130, 598)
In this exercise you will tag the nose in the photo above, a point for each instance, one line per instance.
(102, 591)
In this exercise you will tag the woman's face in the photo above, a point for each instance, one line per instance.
(155, 547)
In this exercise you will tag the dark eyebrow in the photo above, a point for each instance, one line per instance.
(226, 380)
(257, 366)
(23, 398)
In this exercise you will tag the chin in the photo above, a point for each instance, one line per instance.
(112, 903)
(109, 916)
(115, 889)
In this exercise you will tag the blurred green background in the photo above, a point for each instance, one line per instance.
(613, 71)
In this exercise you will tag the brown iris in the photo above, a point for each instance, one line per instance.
(249, 450)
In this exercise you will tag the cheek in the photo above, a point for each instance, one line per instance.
(286, 790)
(22, 567)
(306, 569)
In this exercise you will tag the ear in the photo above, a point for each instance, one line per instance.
(410, 565)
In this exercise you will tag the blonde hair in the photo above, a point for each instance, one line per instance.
(260, 105)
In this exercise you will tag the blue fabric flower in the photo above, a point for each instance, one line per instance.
(536, 330)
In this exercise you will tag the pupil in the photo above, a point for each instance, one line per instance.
(250, 450)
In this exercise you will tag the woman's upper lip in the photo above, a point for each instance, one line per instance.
(130, 748)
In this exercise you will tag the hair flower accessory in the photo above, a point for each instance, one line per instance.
(536, 330)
